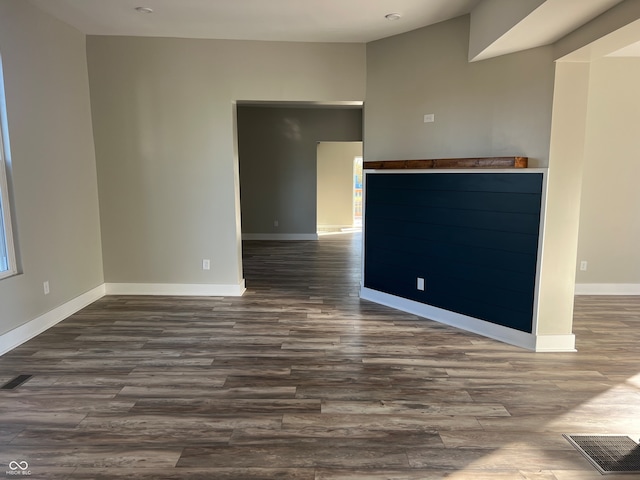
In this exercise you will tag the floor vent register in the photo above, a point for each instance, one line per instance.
(608, 453)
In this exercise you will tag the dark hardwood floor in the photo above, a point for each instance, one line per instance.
(300, 379)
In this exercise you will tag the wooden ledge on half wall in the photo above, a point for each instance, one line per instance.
(461, 163)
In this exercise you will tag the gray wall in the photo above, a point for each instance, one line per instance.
(278, 168)
(166, 154)
(55, 194)
(496, 107)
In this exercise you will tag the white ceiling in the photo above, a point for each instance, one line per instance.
(357, 21)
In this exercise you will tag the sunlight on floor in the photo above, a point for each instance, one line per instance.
(342, 231)
(550, 456)
(611, 412)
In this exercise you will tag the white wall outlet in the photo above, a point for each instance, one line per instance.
(420, 284)
(429, 118)
(45, 285)
(206, 264)
(583, 265)
(275, 223)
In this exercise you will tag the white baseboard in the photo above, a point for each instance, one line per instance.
(607, 289)
(547, 343)
(332, 227)
(177, 289)
(556, 343)
(21, 334)
(279, 236)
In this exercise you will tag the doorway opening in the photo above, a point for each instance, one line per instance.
(339, 187)
(357, 192)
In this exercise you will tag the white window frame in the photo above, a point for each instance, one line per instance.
(5, 206)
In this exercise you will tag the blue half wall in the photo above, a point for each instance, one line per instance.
(472, 237)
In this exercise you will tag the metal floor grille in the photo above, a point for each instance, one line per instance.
(16, 382)
(608, 453)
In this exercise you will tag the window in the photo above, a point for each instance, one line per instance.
(7, 252)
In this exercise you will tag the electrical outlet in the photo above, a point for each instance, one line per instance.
(206, 264)
(429, 118)
(45, 285)
(275, 223)
(420, 284)
(583, 265)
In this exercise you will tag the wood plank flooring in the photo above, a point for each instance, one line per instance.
(301, 380)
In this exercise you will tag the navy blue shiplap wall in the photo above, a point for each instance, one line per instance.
(473, 237)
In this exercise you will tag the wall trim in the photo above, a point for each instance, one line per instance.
(538, 343)
(178, 289)
(608, 289)
(279, 236)
(27, 331)
(327, 227)
(556, 343)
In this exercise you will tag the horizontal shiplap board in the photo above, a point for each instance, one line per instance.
(447, 265)
(460, 182)
(514, 222)
(452, 235)
(466, 252)
(490, 201)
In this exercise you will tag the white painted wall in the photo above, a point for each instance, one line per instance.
(564, 182)
(610, 208)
